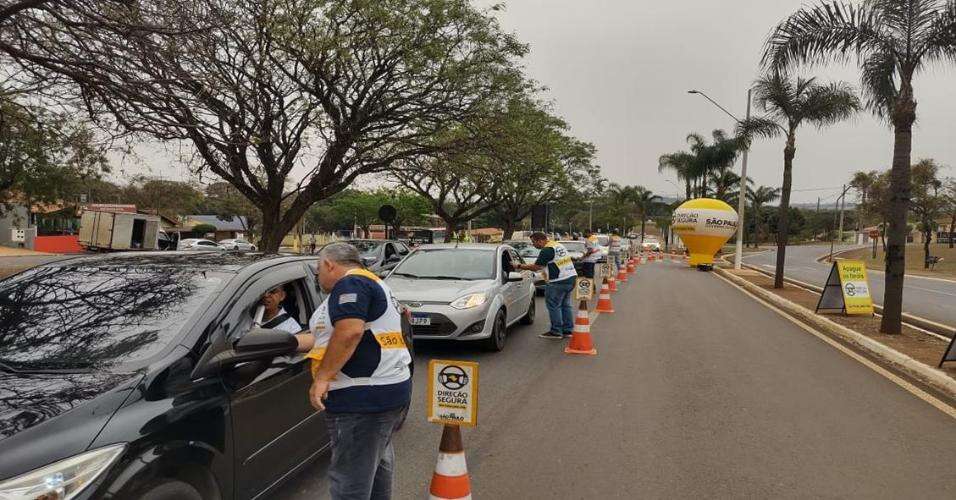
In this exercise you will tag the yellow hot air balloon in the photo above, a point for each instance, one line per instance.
(704, 224)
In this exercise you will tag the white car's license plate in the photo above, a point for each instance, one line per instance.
(421, 321)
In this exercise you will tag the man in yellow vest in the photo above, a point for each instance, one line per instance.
(557, 293)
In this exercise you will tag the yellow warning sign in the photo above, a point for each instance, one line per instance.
(453, 392)
(855, 287)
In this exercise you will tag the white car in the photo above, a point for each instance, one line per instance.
(237, 245)
(651, 246)
(199, 245)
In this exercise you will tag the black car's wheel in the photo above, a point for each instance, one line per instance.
(171, 490)
(496, 341)
(528, 318)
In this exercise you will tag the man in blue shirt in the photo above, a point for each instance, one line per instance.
(557, 293)
(360, 369)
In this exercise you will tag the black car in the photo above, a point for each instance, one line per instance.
(380, 256)
(141, 376)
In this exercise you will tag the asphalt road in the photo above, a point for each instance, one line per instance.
(697, 391)
(929, 298)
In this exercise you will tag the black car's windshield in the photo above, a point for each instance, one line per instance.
(449, 263)
(80, 318)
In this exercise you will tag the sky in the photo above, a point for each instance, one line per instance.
(618, 72)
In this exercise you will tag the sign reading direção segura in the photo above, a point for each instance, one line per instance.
(453, 392)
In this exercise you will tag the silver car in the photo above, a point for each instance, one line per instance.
(464, 292)
(200, 245)
(238, 245)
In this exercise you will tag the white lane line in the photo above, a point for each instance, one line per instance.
(912, 389)
(929, 290)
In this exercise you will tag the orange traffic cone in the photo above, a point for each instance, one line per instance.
(450, 480)
(622, 274)
(604, 299)
(612, 283)
(581, 342)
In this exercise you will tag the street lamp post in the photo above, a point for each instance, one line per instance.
(742, 194)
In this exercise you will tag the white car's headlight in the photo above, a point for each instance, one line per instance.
(62, 480)
(470, 300)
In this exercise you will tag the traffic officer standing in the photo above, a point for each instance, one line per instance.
(557, 293)
(360, 371)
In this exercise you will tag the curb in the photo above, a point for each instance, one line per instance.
(897, 360)
(916, 321)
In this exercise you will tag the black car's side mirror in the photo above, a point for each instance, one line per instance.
(265, 342)
(256, 345)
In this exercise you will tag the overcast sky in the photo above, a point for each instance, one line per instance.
(618, 71)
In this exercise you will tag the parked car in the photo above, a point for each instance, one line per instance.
(199, 244)
(651, 246)
(464, 292)
(238, 245)
(131, 376)
(380, 256)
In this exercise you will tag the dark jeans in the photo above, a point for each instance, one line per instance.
(557, 296)
(362, 455)
(587, 269)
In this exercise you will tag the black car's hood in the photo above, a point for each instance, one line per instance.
(73, 406)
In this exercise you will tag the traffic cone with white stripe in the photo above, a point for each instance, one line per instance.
(450, 480)
(604, 299)
(621, 275)
(581, 342)
(612, 283)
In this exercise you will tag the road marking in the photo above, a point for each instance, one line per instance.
(929, 290)
(912, 389)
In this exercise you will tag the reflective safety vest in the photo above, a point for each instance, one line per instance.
(562, 261)
(387, 329)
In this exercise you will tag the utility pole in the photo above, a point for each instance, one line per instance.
(842, 207)
(590, 214)
(818, 204)
(742, 197)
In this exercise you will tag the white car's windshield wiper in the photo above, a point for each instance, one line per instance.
(407, 275)
(446, 278)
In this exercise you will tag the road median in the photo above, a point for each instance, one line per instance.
(913, 353)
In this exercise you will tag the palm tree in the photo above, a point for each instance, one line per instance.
(682, 163)
(893, 40)
(758, 198)
(787, 104)
(715, 157)
(644, 202)
(727, 186)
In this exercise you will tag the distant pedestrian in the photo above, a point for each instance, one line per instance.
(592, 254)
(361, 375)
(614, 249)
(311, 244)
(557, 293)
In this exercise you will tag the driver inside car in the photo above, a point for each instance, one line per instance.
(274, 316)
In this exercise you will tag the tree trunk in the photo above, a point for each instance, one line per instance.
(451, 226)
(904, 114)
(783, 224)
(272, 230)
(508, 229)
(927, 236)
(687, 188)
(756, 235)
(952, 230)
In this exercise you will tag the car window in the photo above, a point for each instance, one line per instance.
(296, 303)
(449, 263)
(574, 246)
(98, 317)
(389, 250)
(366, 247)
(402, 249)
(207, 243)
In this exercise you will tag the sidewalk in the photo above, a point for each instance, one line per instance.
(20, 252)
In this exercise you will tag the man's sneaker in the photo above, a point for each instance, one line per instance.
(551, 335)
(568, 335)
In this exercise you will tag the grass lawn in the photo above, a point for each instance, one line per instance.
(914, 259)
